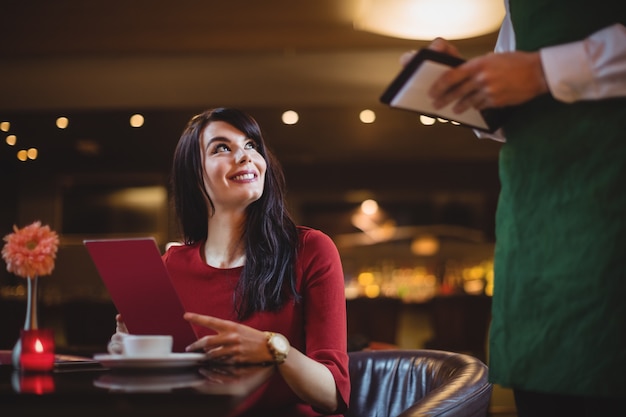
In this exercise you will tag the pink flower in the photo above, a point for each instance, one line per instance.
(31, 251)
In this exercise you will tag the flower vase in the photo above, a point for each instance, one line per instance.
(30, 322)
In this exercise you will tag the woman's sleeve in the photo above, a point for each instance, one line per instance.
(325, 307)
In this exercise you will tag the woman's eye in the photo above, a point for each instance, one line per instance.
(251, 145)
(221, 148)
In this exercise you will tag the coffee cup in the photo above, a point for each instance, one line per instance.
(147, 346)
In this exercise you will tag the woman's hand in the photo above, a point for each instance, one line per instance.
(115, 345)
(120, 326)
(234, 343)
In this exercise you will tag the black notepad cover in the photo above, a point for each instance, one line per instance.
(408, 91)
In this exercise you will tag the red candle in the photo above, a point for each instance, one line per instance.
(37, 350)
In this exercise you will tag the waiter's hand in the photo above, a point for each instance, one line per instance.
(490, 80)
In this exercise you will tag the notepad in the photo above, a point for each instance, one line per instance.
(409, 91)
(140, 287)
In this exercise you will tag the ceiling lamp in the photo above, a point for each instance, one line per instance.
(428, 19)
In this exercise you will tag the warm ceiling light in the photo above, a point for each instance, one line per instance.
(32, 153)
(5, 126)
(136, 120)
(428, 19)
(367, 116)
(369, 207)
(62, 122)
(11, 140)
(290, 117)
(427, 120)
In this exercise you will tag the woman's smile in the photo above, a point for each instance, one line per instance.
(246, 176)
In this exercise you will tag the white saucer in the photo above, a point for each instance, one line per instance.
(173, 360)
(149, 382)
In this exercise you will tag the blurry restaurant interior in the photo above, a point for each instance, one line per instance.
(95, 95)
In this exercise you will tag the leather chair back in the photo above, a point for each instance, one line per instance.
(411, 383)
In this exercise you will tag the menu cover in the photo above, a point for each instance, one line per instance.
(140, 287)
(409, 91)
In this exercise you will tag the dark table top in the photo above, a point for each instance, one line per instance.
(85, 388)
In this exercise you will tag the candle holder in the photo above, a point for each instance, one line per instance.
(37, 353)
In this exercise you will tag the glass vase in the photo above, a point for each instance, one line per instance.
(30, 322)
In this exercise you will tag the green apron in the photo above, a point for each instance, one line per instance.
(559, 305)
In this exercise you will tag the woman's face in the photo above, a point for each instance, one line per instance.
(234, 172)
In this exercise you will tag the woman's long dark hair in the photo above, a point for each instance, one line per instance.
(267, 281)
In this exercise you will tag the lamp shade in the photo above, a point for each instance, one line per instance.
(428, 19)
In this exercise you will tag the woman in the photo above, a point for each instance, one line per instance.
(257, 288)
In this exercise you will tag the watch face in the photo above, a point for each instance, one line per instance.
(280, 344)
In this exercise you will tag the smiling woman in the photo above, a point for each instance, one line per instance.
(257, 288)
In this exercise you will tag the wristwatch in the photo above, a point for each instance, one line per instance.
(278, 345)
